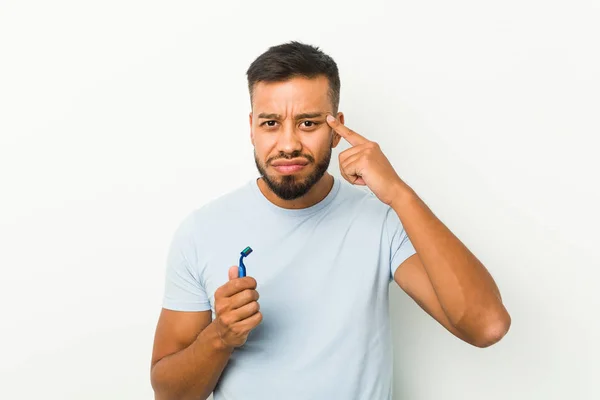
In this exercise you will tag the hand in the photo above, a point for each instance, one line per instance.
(237, 309)
(365, 164)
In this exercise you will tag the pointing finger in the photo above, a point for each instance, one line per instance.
(352, 137)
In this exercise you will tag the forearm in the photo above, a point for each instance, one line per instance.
(465, 289)
(191, 373)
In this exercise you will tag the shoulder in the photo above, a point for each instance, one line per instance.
(360, 198)
(370, 213)
(205, 217)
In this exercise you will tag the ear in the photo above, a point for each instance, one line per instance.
(336, 137)
(251, 130)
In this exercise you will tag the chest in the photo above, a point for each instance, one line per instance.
(304, 268)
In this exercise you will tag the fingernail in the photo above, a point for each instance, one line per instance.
(330, 118)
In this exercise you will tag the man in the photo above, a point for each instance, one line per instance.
(324, 255)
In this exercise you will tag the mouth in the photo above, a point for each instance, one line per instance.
(289, 166)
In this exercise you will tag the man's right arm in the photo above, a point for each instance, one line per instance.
(191, 351)
(189, 356)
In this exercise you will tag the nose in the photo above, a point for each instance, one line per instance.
(288, 141)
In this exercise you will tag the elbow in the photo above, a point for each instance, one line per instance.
(157, 385)
(494, 329)
(165, 390)
(162, 389)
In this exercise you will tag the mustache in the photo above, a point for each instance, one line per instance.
(295, 154)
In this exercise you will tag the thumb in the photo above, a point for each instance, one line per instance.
(233, 273)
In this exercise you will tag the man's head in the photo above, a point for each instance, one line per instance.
(292, 89)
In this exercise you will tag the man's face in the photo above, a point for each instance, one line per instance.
(291, 138)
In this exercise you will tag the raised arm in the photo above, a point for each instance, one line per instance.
(444, 277)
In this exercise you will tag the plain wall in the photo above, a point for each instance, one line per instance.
(117, 118)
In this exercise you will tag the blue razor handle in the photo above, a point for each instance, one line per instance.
(242, 267)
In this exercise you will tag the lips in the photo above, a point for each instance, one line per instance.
(287, 163)
(289, 166)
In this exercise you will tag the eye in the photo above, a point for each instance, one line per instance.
(308, 124)
(270, 123)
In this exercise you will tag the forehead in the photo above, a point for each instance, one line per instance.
(295, 95)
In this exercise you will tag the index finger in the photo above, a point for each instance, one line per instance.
(235, 286)
(352, 137)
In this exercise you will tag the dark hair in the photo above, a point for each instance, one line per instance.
(294, 59)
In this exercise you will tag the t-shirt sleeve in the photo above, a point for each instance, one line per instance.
(183, 289)
(400, 245)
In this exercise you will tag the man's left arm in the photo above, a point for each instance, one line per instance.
(444, 277)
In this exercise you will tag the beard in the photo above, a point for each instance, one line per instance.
(288, 187)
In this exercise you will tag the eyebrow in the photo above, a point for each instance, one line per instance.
(299, 116)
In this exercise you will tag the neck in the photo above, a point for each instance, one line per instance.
(316, 194)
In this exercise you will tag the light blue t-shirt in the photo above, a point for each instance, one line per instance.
(323, 276)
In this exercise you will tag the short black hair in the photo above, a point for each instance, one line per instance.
(294, 59)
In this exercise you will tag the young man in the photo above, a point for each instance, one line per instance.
(324, 255)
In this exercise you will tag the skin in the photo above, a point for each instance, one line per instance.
(191, 349)
(289, 118)
(444, 277)
(289, 121)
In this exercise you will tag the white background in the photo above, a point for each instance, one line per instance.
(117, 118)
